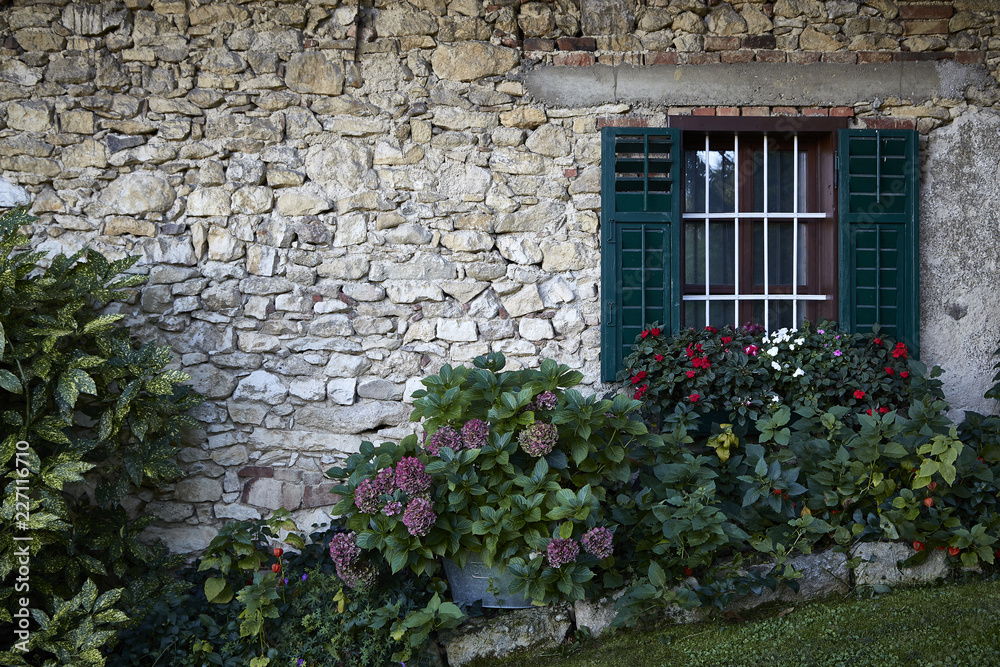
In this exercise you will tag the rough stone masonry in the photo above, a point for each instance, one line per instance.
(331, 204)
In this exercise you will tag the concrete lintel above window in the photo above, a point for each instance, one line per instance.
(815, 84)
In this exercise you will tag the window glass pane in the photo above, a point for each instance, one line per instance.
(694, 252)
(779, 314)
(780, 181)
(721, 313)
(694, 314)
(721, 181)
(779, 253)
(722, 252)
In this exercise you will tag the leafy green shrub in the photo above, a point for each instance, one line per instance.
(262, 617)
(743, 373)
(100, 416)
(516, 467)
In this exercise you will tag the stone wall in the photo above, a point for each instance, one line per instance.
(331, 205)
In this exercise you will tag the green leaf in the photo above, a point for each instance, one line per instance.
(9, 382)
(217, 590)
(657, 576)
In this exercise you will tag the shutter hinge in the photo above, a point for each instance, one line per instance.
(611, 313)
(611, 231)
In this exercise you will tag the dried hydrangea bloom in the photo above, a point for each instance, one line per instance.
(419, 517)
(562, 551)
(597, 541)
(392, 508)
(385, 481)
(366, 497)
(538, 439)
(475, 432)
(344, 548)
(411, 476)
(445, 436)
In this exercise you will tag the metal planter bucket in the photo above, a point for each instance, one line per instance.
(477, 581)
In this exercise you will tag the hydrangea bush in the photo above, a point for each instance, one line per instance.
(515, 466)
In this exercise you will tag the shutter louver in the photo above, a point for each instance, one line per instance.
(640, 190)
(878, 208)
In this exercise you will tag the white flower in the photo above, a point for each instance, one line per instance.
(791, 347)
(775, 365)
(772, 352)
(800, 341)
(798, 373)
(775, 399)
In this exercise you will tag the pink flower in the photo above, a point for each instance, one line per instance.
(419, 517)
(562, 551)
(694, 398)
(837, 353)
(751, 350)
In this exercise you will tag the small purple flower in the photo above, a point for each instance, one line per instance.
(385, 481)
(411, 476)
(300, 662)
(475, 433)
(562, 551)
(597, 541)
(419, 517)
(837, 353)
(538, 439)
(392, 508)
(445, 436)
(304, 577)
(546, 400)
(820, 331)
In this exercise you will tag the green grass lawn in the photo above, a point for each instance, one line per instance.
(957, 625)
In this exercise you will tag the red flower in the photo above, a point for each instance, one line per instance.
(869, 412)
(659, 357)
(698, 347)
(726, 340)
(858, 393)
(918, 545)
(694, 398)
(954, 551)
(877, 341)
(701, 362)
(278, 551)
(691, 374)
(751, 350)
(688, 572)
(889, 371)
(656, 331)
(690, 352)
(711, 329)
(640, 391)
(900, 351)
(777, 492)
(883, 410)
(904, 374)
(644, 334)
(276, 568)
(638, 377)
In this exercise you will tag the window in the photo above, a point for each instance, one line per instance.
(708, 223)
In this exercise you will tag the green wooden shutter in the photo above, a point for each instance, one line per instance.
(879, 177)
(640, 237)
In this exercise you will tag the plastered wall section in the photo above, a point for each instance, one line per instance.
(330, 206)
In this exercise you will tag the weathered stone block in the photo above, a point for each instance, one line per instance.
(523, 629)
(525, 300)
(341, 391)
(471, 61)
(366, 416)
(311, 72)
(879, 560)
(272, 494)
(261, 386)
(198, 489)
(209, 202)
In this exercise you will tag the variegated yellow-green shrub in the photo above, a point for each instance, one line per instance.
(87, 415)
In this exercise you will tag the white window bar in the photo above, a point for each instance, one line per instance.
(708, 207)
(767, 312)
(743, 215)
(736, 228)
(795, 231)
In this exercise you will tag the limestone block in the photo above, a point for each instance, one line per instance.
(456, 330)
(236, 512)
(341, 390)
(169, 250)
(555, 291)
(569, 321)
(813, 40)
(138, 193)
(217, 13)
(223, 246)
(119, 225)
(404, 22)
(823, 574)
(541, 217)
(422, 266)
(354, 419)
(262, 260)
(12, 195)
(308, 389)
(231, 456)
(511, 161)
(209, 202)
(532, 328)
(533, 630)
(198, 489)
(272, 494)
(352, 229)
(365, 325)
(292, 303)
(460, 180)
(467, 241)
(879, 560)
(381, 390)
(311, 72)
(261, 386)
(409, 233)
(245, 170)
(156, 298)
(520, 250)
(549, 140)
(463, 291)
(799, 8)
(29, 116)
(326, 326)
(172, 512)
(563, 256)
(181, 539)
(519, 347)
(495, 330)
(251, 341)
(243, 412)
(455, 118)
(363, 292)
(525, 300)
(471, 61)
(212, 382)
(347, 365)
(536, 19)
(596, 615)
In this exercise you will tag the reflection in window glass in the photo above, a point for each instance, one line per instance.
(780, 181)
(721, 181)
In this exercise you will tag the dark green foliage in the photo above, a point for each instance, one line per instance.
(317, 618)
(101, 416)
